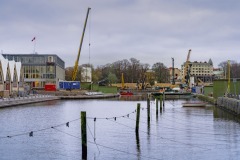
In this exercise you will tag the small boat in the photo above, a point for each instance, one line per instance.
(194, 104)
(126, 93)
(93, 93)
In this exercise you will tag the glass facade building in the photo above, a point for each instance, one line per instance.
(40, 69)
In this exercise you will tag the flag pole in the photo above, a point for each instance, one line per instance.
(34, 45)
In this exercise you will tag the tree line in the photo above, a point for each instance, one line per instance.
(133, 70)
(234, 68)
(136, 72)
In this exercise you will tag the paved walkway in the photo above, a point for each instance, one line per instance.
(102, 96)
(7, 102)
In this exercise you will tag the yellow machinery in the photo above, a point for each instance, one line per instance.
(122, 82)
(75, 70)
(186, 66)
(202, 83)
(228, 66)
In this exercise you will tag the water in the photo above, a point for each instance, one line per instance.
(176, 133)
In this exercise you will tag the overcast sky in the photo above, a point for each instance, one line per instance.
(148, 30)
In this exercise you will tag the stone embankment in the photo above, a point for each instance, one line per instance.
(230, 104)
(102, 96)
(206, 98)
(8, 102)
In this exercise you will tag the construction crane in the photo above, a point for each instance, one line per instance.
(75, 70)
(122, 82)
(186, 68)
(228, 87)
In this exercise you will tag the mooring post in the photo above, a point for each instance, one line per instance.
(156, 106)
(148, 107)
(84, 135)
(137, 118)
(161, 99)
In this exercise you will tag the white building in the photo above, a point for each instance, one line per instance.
(200, 70)
(11, 77)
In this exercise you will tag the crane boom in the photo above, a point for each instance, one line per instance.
(186, 66)
(75, 70)
(122, 81)
(228, 66)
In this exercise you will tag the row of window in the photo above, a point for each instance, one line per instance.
(38, 76)
(38, 69)
(200, 74)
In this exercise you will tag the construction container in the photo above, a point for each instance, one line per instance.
(50, 87)
(69, 85)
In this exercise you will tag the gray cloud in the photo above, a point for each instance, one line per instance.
(151, 31)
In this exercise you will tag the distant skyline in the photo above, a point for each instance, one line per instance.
(148, 30)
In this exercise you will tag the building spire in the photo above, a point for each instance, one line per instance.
(210, 61)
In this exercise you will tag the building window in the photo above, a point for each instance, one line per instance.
(50, 58)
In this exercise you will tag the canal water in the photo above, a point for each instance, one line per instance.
(178, 133)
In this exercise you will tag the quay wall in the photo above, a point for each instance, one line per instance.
(229, 104)
(206, 98)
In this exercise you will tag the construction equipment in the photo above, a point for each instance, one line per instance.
(123, 82)
(185, 76)
(202, 83)
(75, 70)
(228, 87)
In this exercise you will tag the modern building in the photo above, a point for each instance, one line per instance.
(11, 77)
(202, 71)
(40, 69)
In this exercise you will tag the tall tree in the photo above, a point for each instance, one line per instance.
(112, 78)
(142, 74)
(134, 69)
(234, 68)
(161, 72)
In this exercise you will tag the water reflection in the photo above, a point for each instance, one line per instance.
(196, 127)
(220, 113)
(133, 98)
(138, 143)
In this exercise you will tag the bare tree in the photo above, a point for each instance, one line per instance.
(234, 68)
(161, 72)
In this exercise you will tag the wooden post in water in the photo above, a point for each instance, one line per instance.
(156, 106)
(161, 99)
(84, 135)
(137, 118)
(148, 107)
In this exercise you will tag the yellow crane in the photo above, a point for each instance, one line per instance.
(186, 66)
(75, 70)
(228, 87)
(122, 82)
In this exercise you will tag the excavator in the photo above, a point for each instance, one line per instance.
(75, 70)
